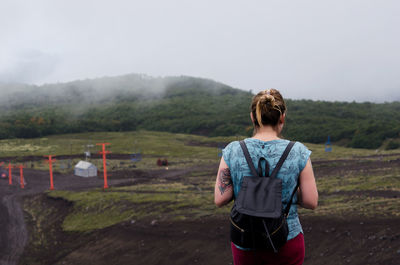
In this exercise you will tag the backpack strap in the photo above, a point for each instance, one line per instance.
(278, 166)
(266, 172)
(291, 198)
(282, 159)
(248, 159)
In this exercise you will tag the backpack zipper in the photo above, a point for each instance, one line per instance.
(241, 230)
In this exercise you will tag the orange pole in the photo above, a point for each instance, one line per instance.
(50, 161)
(9, 174)
(105, 167)
(104, 152)
(21, 173)
(51, 174)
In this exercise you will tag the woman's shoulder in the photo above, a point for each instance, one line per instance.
(274, 145)
(301, 154)
(230, 153)
(300, 146)
(232, 145)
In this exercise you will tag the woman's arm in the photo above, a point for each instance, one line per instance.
(308, 194)
(223, 192)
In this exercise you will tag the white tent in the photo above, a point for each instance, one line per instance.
(85, 169)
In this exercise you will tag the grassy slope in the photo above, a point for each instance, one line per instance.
(192, 197)
(148, 143)
(356, 194)
(176, 201)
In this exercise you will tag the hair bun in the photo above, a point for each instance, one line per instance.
(267, 97)
(267, 107)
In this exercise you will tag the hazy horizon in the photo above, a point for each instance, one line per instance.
(331, 50)
(159, 84)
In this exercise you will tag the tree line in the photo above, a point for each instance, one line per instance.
(204, 107)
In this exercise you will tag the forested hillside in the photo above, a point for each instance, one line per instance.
(364, 125)
(185, 105)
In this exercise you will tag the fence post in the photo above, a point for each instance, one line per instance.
(104, 152)
(10, 174)
(51, 160)
(21, 173)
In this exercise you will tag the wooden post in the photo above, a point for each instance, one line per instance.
(104, 152)
(21, 173)
(51, 160)
(9, 174)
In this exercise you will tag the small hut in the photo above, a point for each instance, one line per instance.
(85, 169)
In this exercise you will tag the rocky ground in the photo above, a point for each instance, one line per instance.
(329, 240)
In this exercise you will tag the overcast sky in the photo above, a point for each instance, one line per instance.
(341, 50)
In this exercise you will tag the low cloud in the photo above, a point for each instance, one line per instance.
(30, 66)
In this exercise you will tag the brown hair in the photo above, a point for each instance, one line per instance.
(267, 107)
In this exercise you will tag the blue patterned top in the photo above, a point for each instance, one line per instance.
(272, 152)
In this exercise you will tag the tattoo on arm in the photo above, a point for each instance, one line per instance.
(225, 180)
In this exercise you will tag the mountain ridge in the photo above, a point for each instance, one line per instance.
(184, 104)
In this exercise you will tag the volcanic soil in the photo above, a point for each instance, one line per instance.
(329, 239)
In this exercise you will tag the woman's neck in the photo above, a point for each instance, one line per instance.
(266, 133)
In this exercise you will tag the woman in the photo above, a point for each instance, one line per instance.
(268, 112)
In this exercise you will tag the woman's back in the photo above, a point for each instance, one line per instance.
(271, 151)
(268, 114)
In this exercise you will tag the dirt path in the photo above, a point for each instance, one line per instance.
(329, 241)
(16, 235)
(13, 233)
(326, 168)
(191, 241)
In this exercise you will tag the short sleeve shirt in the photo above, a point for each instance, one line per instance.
(271, 151)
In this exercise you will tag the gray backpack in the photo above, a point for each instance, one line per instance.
(258, 220)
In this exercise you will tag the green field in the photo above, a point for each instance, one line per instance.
(149, 143)
(191, 197)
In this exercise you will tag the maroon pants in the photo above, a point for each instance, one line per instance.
(292, 253)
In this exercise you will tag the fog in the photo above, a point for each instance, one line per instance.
(100, 90)
(340, 50)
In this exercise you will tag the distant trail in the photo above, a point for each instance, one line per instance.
(13, 231)
(65, 157)
(16, 236)
(3, 232)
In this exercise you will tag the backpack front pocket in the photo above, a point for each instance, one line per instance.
(260, 197)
